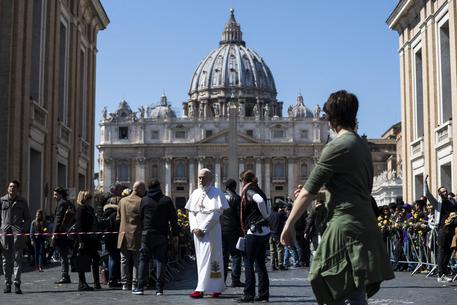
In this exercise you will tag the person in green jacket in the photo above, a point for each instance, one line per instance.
(351, 261)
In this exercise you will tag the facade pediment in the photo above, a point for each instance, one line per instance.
(222, 137)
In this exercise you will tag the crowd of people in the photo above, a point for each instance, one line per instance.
(122, 237)
(332, 226)
(421, 236)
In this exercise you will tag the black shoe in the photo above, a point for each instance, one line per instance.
(261, 299)
(97, 286)
(245, 299)
(114, 284)
(17, 288)
(63, 280)
(84, 287)
(237, 284)
(7, 288)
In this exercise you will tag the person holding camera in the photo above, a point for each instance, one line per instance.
(254, 220)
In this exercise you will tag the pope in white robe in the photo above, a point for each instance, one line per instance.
(205, 207)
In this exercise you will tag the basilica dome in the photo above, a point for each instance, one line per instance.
(299, 110)
(162, 110)
(233, 65)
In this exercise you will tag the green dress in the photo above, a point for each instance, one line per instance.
(352, 252)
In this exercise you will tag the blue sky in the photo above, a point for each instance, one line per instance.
(312, 47)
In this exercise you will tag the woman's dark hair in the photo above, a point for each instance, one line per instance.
(341, 109)
(248, 176)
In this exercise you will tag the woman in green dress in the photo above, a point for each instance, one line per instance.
(351, 261)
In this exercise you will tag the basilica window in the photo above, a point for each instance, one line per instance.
(304, 134)
(155, 172)
(303, 170)
(180, 170)
(154, 135)
(280, 169)
(208, 133)
(123, 133)
(180, 134)
(123, 172)
(278, 132)
(250, 133)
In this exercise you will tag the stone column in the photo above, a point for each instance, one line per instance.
(217, 174)
(200, 163)
(192, 184)
(167, 176)
(240, 170)
(266, 188)
(258, 170)
(108, 173)
(291, 178)
(140, 169)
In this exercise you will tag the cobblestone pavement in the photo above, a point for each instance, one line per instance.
(287, 287)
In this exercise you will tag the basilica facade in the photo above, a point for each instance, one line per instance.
(232, 121)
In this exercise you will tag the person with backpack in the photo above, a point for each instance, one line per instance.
(255, 214)
(64, 219)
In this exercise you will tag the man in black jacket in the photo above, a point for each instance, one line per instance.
(231, 231)
(157, 214)
(64, 219)
(443, 208)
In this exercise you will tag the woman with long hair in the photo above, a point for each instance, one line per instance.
(87, 251)
(38, 227)
(351, 261)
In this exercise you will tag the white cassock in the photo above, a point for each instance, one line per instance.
(205, 208)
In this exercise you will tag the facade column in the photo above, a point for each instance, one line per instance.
(192, 184)
(200, 163)
(108, 174)
(217, 174)
(258, 170)
(267, 188)
(167, 176)
(140, 169)
(291, 178)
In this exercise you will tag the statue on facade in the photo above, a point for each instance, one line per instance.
(317, 111)
(289, 111)
(241, 111)
(190, 109)
(216, 109)
(142, 111)
(256, 110)
(200, 111)
(105, 113)
(267, 111)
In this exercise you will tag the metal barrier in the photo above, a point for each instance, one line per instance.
(416, 249)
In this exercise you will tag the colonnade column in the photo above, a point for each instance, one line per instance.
(217, 174)
(167, 176)
(266, 188)
(291, 178)
(192, 185)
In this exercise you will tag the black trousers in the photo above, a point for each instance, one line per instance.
(256, 247)
(444, 250)
(229, 240)
(153, 246)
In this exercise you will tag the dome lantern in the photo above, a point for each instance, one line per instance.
(232, 31)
